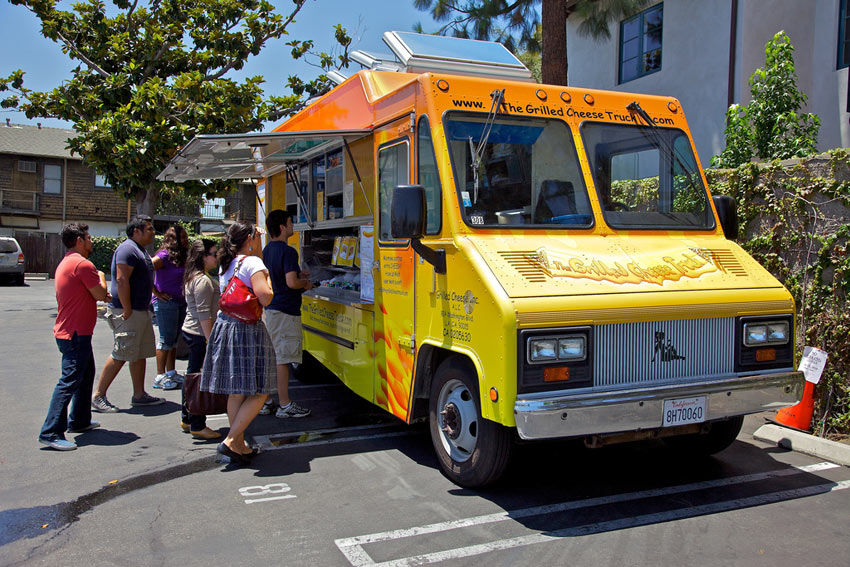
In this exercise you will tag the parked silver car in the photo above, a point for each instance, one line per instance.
(12, 261)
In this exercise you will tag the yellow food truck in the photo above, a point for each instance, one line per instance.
(515, 261)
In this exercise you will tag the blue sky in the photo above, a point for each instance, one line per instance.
(23, 47)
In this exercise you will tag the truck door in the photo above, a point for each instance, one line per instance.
(394, 289)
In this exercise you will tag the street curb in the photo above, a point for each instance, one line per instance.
(838, 453)
(36, 276)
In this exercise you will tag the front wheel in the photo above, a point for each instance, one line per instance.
(472, 451)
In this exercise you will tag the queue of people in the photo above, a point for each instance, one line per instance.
(247, 362)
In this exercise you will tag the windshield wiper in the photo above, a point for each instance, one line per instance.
(665, 144)
(476, 151)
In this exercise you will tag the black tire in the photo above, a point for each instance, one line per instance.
(311, 371)
(719, 437)
(20, 279)
(472, 451)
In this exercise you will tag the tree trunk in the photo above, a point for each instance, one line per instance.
(146, 201)
(554, 61)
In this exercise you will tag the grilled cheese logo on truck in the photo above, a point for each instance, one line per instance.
(654, 270)
(545, 110)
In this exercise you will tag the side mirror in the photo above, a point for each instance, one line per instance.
(407, 220)
(727, 210)
(407, 216)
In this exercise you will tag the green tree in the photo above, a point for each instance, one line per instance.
(155, 73)
(772, 125)
(514, 22)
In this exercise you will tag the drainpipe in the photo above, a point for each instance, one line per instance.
(64, 188)
(733, 33)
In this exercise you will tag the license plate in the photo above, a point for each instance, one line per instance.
(683, 411)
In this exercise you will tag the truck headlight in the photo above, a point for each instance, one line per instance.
(549, 349)
(571, 348)
(542, 350)
(766, 333)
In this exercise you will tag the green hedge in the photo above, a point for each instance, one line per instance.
(104, 247)
(795, 220)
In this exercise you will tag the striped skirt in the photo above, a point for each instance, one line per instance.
(240, 359)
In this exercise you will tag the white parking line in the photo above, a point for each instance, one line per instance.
(353, 550)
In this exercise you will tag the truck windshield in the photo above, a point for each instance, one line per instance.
(517, 172)
(646, 177)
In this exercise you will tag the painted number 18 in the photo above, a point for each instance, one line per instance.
(265, 493)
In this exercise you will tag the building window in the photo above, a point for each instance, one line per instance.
(640, 44)
(53, 179)
(100, 182)
(843, 36)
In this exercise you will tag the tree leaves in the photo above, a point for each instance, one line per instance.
(154, 74)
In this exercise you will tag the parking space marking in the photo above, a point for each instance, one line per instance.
(262, 490)
(352, 548)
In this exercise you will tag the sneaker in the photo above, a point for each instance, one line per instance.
(169, 384)
(267, 408)
(58, 444)
(146, 400)
(177, 377)
(292, 410)
(89, 427)
(101, 404)
(157, 382)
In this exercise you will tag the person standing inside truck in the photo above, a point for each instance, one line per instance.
(79, 286)
(283, 315)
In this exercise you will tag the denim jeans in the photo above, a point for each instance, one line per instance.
(74, 388)
(169, 320)
(197, 351)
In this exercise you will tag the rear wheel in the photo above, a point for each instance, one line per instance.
(472, 451)
(719, 437)
(19, 279)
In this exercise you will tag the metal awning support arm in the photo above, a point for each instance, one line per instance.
(290, 176)
(357, 175)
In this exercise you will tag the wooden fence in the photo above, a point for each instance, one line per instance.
(42, 251)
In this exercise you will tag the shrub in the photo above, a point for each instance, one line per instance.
(771, 126)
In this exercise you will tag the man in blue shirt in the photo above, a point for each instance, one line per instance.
(283, 315)
(128, 316)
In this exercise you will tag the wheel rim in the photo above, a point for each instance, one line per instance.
(458, 420)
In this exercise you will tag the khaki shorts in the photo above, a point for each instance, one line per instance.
(134, 338)
(285, 332)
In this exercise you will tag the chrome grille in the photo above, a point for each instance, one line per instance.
(631, 354)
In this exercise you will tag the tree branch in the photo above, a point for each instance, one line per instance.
(79, 55)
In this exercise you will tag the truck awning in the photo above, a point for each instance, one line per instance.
(249, 156)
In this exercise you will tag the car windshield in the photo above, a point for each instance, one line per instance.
(646, 177)
(517, 171)
(7, 246)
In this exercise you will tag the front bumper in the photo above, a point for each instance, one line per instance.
(549, 415)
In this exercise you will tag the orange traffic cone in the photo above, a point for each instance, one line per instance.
(799, 416)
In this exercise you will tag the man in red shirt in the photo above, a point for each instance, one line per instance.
(79, 286)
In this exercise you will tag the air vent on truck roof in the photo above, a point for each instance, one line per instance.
(424, 53)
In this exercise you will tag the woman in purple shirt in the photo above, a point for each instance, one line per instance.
(169, 264)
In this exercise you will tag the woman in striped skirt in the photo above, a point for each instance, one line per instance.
(240, 356)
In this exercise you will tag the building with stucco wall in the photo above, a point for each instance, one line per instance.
(704, 51)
